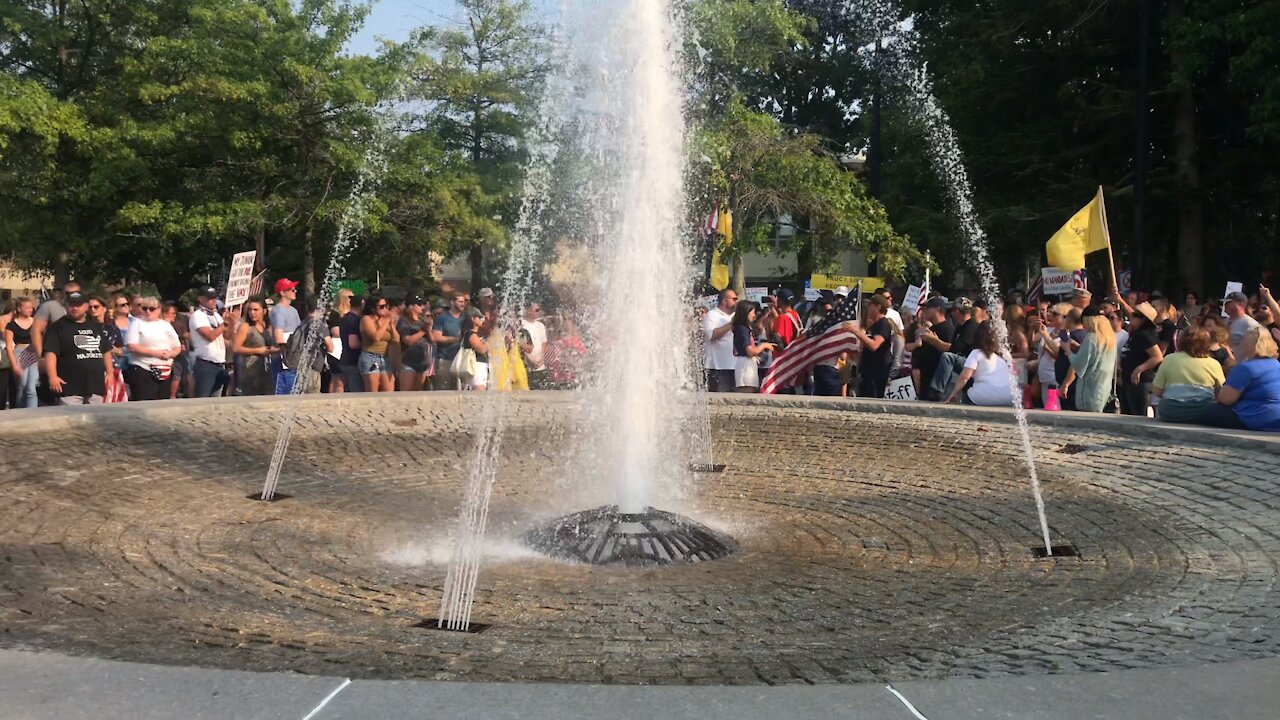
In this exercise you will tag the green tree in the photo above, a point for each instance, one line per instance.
(479, 82)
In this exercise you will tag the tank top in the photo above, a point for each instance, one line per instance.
(21, 335)
(379, 345)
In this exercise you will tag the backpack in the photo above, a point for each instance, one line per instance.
(295, 347)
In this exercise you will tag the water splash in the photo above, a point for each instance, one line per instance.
(898, 56)
(371, 171)
(528, 244)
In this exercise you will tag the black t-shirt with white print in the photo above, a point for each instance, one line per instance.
(80, 348)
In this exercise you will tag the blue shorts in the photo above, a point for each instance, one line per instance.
(374, 364)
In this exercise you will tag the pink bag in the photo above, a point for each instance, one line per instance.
(1051, 400)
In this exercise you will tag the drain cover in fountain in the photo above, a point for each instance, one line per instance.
(605, 536)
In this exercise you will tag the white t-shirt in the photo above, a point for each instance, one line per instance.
(538, 335)
(212, 350)
(895, 316)
(155, 335)
(718, 354)
(990, 379)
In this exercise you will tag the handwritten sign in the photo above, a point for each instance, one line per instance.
(911, 302)
(1058, 282)
(812, 294)
(241, 278)
(755, 294)
(900, 389)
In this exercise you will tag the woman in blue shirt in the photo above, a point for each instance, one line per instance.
(1251, 398)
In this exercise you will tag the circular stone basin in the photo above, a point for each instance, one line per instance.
(875, 541)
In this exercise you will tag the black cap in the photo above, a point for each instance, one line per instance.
(208, 292)
(415, 300)
(1236, 297)
(76, 298)
(784, 295)
(938, 303)
(1156, 295)
(1091, 311)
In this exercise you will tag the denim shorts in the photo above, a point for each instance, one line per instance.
(374, 364)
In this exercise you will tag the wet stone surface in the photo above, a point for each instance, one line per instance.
(879, 547)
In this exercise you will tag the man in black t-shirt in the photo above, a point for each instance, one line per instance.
(1166, 329)
(934, 341)
(877, 348)
(967, 328)
(349, 340)
(77, 352)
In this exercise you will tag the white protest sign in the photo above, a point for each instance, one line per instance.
(755, 294)
(1058, 282)
(1232, 287)
(900, 389)
(911, 302)
(240, 279)
(812, 294)
(709, 301)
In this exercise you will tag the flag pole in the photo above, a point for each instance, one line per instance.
(1106, 234)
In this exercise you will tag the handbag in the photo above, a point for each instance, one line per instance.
(464, 363)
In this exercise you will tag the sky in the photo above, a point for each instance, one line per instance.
(395, 19)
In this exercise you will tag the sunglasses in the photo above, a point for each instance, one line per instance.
(94, 306)
(380, 306)
(150, 308)
(124, 304)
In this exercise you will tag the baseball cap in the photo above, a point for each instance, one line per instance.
(784, 295)
(1091, 311)
(415, 300)
(284, 284)
(208, 292)
(485, 292)
(1156, 295)
(76, 298)
(473, 311)
(938, 303)
(1081, 292)
(1236, 297)
(963, 304)
(842, 291)
(442, 304)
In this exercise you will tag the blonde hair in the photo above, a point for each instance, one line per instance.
(1100, 327)
(343, 306)
(1063, 308)
(1258, 343)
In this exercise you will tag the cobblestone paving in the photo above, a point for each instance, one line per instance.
(900, 550)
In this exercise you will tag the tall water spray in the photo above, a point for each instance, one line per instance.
(638, 415)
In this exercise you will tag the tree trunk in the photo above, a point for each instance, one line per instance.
(476, 257)
(61, 269)
(1186, 152)
(737, 275)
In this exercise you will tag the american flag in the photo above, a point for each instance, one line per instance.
(255, 285)
(824, 342)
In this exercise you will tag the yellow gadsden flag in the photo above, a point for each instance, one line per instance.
(1084, 233)
(719, 270)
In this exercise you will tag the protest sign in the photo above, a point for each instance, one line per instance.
(911, 302)
(900, 389)
(1232, 287)
(755, 294)
(831, 282)
(1057, 282)
(240, 279)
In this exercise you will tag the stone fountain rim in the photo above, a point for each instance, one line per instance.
(53, 419)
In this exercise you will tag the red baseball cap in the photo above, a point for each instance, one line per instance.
(285, 284)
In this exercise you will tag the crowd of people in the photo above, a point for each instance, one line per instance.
(1139, 354)
(1212, 363)
(83, 348)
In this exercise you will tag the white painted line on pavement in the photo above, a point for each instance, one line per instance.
(334, 694)
(901, 697)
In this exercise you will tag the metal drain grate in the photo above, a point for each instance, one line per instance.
(274, 498)
(1059, 551)
(1073, 449)
(705, 468)
(434, 624)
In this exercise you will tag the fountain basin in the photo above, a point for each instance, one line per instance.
(875, 540)
(607, 536)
